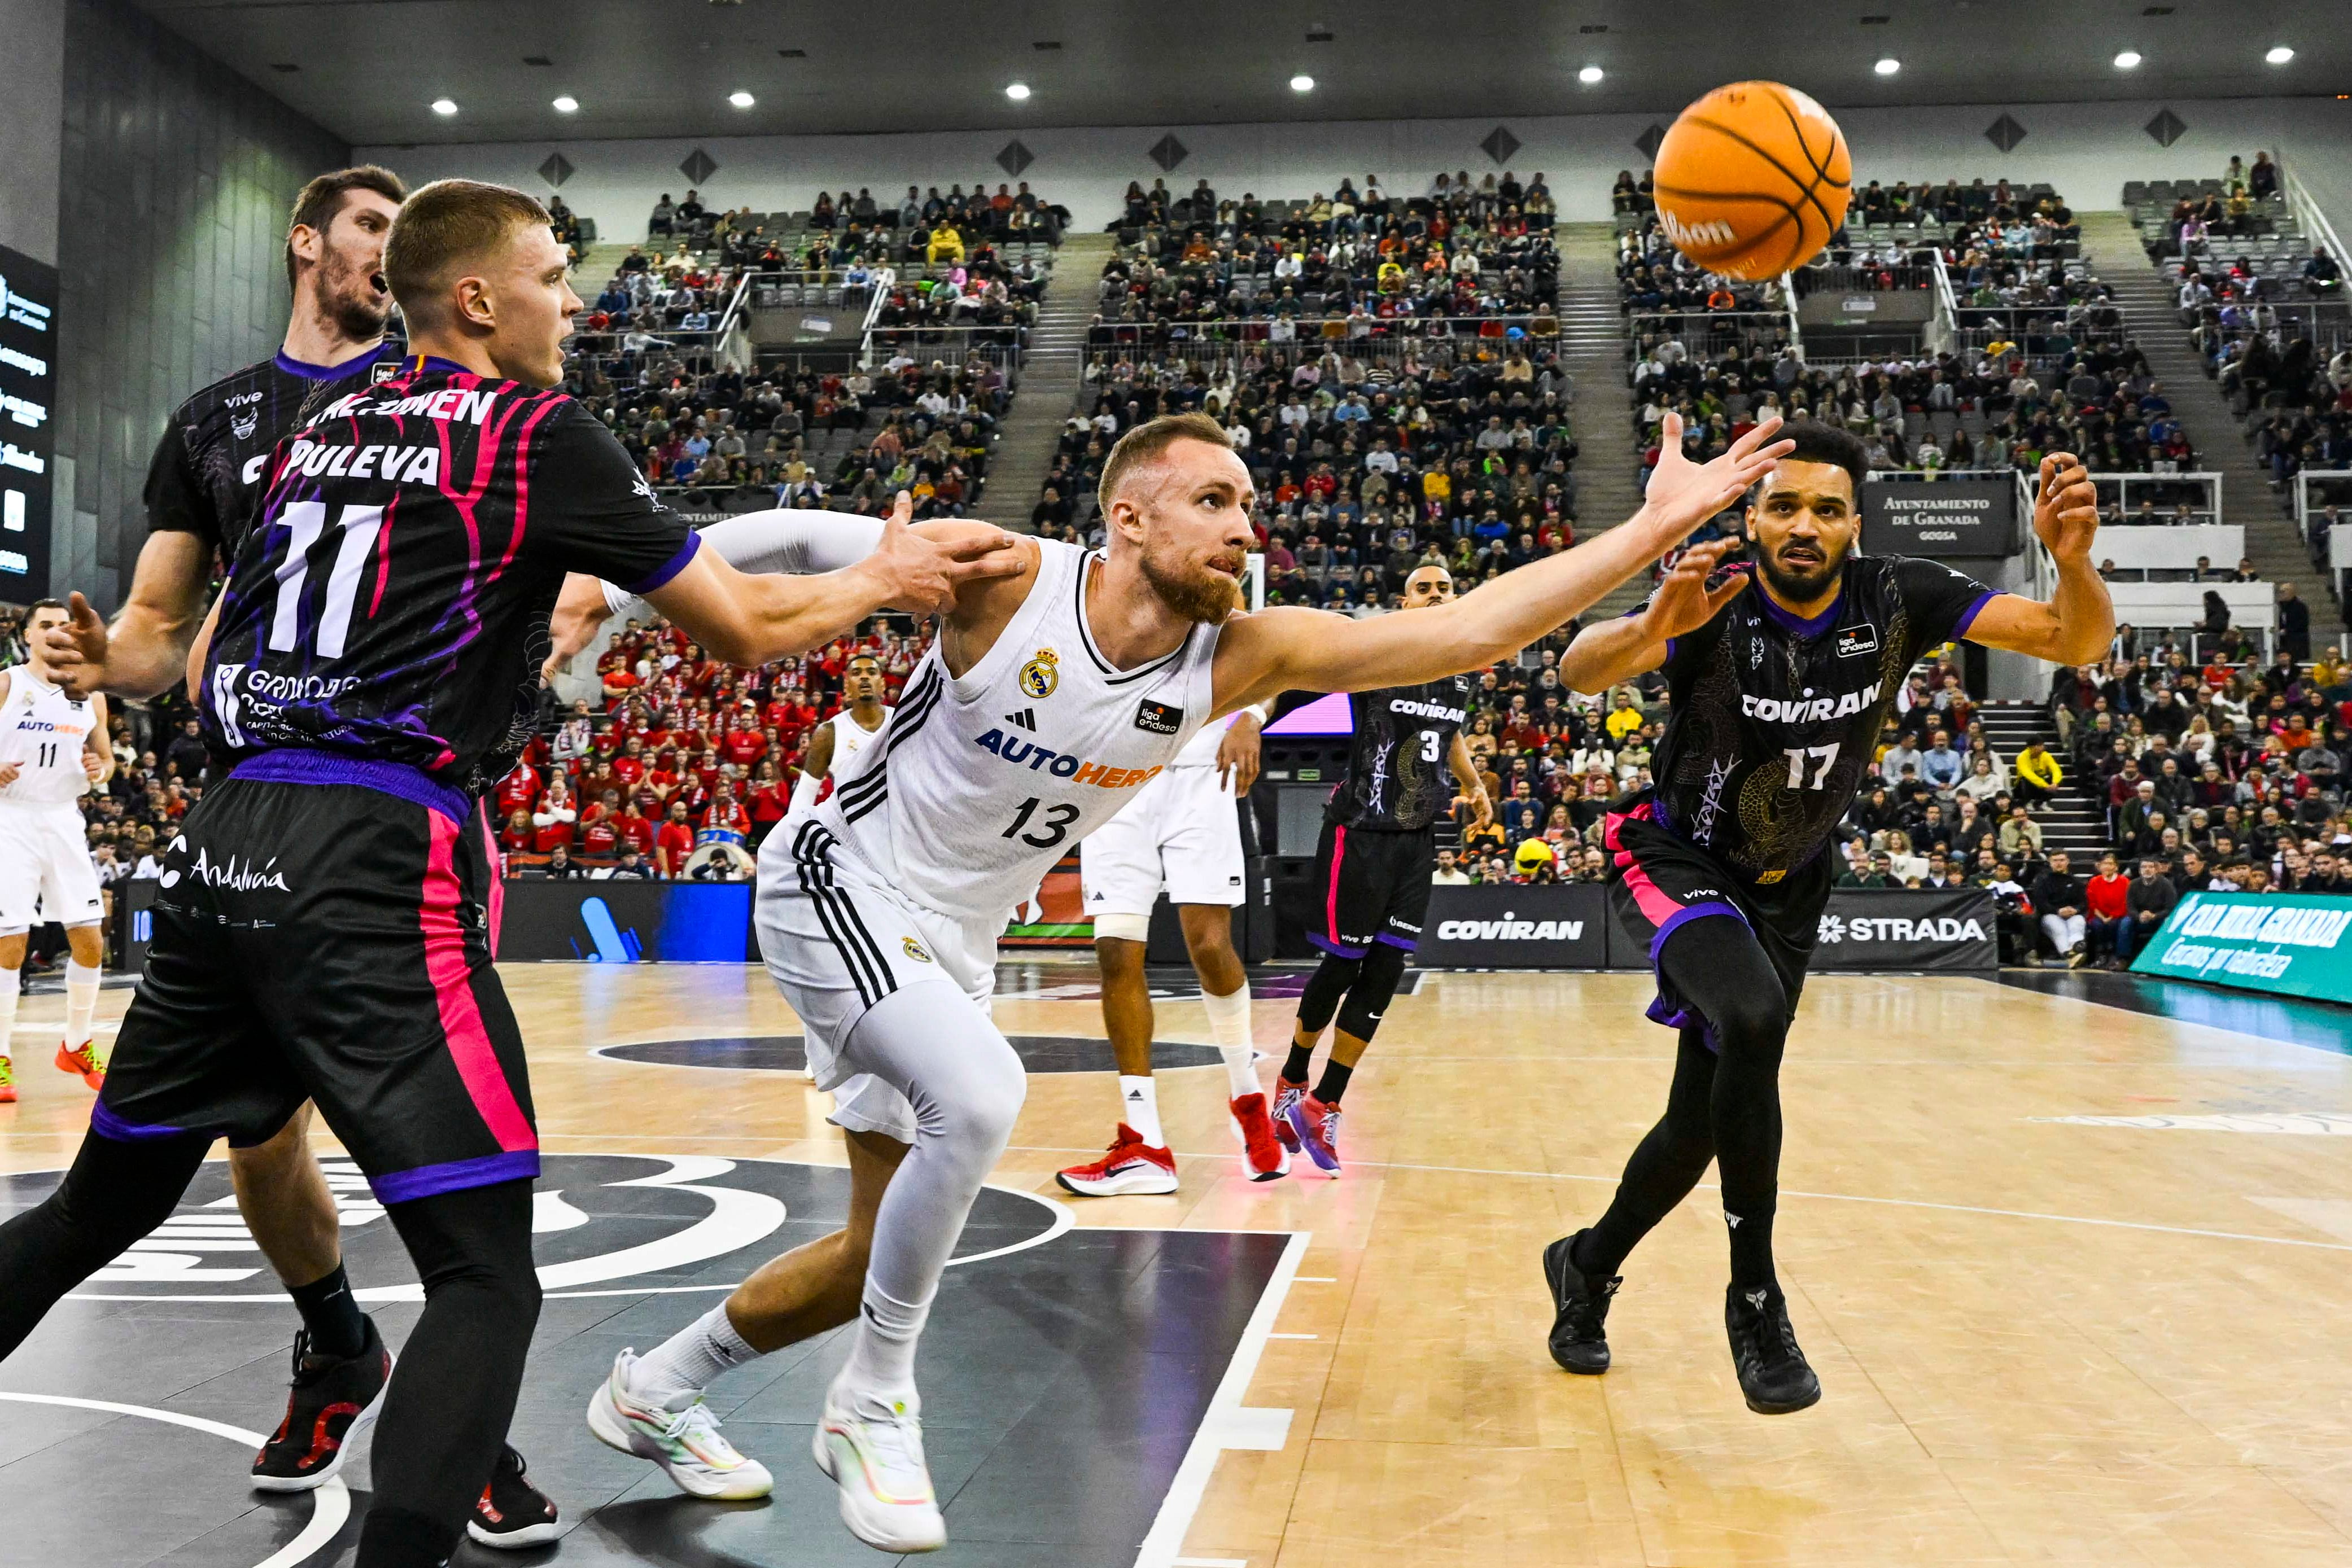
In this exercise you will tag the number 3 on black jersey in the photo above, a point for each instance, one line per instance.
(304, 522)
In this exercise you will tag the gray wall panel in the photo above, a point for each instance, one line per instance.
(175, 177)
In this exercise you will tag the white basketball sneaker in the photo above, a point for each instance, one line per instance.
(874, 1455)
(686, 1444)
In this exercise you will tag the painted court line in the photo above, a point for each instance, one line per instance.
(330, 1504)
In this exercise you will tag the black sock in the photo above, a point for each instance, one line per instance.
(1334, 1084)
(1302, 1057)
(338, 1327)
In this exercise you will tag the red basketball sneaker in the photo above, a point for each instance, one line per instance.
(1263, 1156)
(1130, 1166)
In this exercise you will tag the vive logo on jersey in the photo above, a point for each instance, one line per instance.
(1855, 641)
(1801, 710)
(1061, 764)
(1041, 674)
(1158, 718)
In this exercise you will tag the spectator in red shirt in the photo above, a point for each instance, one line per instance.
(515, 838)
(516, 790)
(771, 801)
(555, 819)
(674, 841)
(634, 826)
(630, 766)
(726, 813)
(2107, 903)
(599, 837)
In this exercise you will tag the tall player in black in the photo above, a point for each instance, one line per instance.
(1372, 866)
(325, 926)
(1779, 687)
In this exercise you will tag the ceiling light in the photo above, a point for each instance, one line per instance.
(567, 104)
(741, 99)
(1589, 75)
(2129, 60)
(1302, 84)
(1018, 92)
(2279, 56)
(1887, 67)
(445, 106)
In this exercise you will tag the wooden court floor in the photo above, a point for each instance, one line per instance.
(2042, 1339)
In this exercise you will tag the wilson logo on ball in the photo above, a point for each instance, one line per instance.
(1752, 180)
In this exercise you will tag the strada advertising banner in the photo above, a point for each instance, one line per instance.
(2290, 944)
(1910, 929)
(1947, 519)
(1504, 927)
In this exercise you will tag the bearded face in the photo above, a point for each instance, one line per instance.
(1203, 589)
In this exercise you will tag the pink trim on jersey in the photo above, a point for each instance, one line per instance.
(1657, 907)
(522, 481)
(1331, 898)
(453, 988)
(498, 875)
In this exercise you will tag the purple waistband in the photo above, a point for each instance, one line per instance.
(296, 766)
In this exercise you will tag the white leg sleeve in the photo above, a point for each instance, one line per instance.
(82, 1003)
(1229, 1025)
(934, 1045)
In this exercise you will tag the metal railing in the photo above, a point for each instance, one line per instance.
(1789, 309)
(2308, 212)
(1383, 353)
(1005, 346)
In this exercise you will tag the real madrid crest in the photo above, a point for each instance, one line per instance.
(1041, 674)
(913, 950)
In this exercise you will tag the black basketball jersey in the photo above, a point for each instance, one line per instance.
(1774, 721)
(209, 469)
(391, 598)
(1397, 777)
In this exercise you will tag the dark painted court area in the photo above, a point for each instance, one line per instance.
(1066, 1372)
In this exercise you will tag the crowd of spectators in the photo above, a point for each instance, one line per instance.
(724, 440)
(1460, 258)
(680, 765)
(920, 228)
(1461, 456)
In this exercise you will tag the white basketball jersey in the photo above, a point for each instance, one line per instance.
(850, 737)
(42, 731)
(978, 784)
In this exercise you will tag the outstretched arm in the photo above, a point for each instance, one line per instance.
(2078, 622)
(1473, 789)
(1604, 656)
(1262, 654)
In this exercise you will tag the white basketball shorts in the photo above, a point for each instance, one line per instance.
(45, 869)
(1180, 832)
(836, 940)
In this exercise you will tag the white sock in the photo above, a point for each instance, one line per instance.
(1229, 1025)
(8, 994)
(82, 1003)
(882, 1356)
(674, 1374)
(1140, 1099)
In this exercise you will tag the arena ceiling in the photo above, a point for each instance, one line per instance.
(371, 69)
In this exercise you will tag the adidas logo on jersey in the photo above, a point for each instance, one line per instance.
(1026, 719)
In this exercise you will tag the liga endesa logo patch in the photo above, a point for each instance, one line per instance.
(599, 1222)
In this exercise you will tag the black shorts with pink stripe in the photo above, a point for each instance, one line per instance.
(1371, 884)
(324, 930)
(1663, 882)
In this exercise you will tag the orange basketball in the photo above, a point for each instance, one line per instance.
(1753, 180)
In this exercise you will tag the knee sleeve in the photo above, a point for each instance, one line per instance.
(1375, 987)
(1331, 981)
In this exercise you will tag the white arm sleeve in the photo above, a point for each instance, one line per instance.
(798, 542)
(804, 791)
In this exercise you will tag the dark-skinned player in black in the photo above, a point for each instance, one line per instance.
(1781, 677)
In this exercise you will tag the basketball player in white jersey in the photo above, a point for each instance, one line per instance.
(1182, 832)
(53, 748)
(879, 911)
(840, 738)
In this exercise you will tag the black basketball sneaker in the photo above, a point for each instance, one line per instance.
(1580, 1340)
(1773, 1374)
(334, 1400)
(512, 1513)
